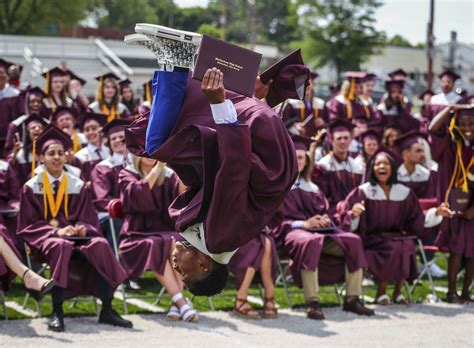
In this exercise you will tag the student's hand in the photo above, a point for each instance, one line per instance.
(70, 157)
(17, 146)
(81, 230)
(444, 211)
(456, 107)
(261, 89)
(313, 222)
(358, 209)
(326, 221)
(212, 86)
(68, 231)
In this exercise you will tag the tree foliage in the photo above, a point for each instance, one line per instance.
(398, 40)
(340, 32)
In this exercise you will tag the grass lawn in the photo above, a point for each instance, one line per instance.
(225, 301)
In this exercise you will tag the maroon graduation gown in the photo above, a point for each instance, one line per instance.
(237, 175)
(305, 247)
(337, 109)
(74, 266)
(402, 119)
(147, 230)
(456, 233)
(422, 181)
(386, 228)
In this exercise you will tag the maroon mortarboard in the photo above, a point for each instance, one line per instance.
(398, 72)
(369, 77)
(290, 77)
(115, 126)
(335, 88)
(60, 111)
(53, 135)
(301, 143)
(73, 76)
(404, 141)
(340, 125)
(53, 73)
(355, 76)
(428, 91)
(108, 75)
(101, 119)
(5, 64)
(449, 73)
(370, 134)
(35, 118)
(124, 83)
(314, 75)
(390, 84)
(390, 154)
(36, 91)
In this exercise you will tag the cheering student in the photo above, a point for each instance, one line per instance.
(58, 221)
(370, 141)
(234, 155)
(56, 89)
(308, 233)
(147, 237)
(453, 150)
(95, 151)
(107, 101)
(387, 216)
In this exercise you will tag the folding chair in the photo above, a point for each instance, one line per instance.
(115, 211)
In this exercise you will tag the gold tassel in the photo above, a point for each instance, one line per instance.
(148, 92)
(351, 95)
(46, 88)
(33, 161)
(302, 110)
(76, 145)
(100, 92)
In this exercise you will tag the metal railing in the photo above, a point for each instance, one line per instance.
(111, 60)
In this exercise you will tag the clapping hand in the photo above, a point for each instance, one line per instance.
(358, 209)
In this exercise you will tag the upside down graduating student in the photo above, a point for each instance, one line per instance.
(234, 155)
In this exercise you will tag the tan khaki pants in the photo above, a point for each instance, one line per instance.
(310, 278)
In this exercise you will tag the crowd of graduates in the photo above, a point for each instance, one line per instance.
(353, 213)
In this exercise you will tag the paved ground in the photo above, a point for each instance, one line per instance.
(437, 325)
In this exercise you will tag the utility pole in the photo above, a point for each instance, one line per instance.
(452, 51)
(251, 14)
(430, 45)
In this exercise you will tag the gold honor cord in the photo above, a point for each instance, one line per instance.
(76, 145)
(302, 110)
(54, 204)
(33, 160)
(110, 113)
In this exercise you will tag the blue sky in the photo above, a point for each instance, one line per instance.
(409, 18)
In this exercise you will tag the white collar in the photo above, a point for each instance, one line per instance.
(197, 238)
(52, 178)
(420, 174)
(92, 148)
(118, 158)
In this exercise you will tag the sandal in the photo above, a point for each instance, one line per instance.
(401, 300)
(466, 298)
(45, 288)
(245, 310)
(314, 311)
(173, 314)
(453, 297)
(270, 310)
(383, 300)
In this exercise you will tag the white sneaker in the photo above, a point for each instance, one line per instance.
(436, 271)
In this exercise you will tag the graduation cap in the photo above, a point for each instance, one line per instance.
(340, 125)
(73, 76)
(60, 111)
(370, 134)
(396, 159)
(36, 91)
(5, 64)
(369, 77)
(450, 74)
(425, 92)
(335, 88)
(405, 141)
(301, 143)
(115, 126)
(35, 118)
(354, 77)
(147, 91)
(124, 84)
(52, 135)
(101, 119)
(314, 75)
(394, 83)
(48, 75)
(290, 77)
(398, 72)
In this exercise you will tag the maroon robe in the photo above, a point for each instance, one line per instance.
(456, 233)
(237, 175)
(89, 159)
(304, 247)
(400, 118)
(296, 110)
(337, 109)
(387, 227)
(148, 230)
(422, 181)
(337, 178)
(74, 265)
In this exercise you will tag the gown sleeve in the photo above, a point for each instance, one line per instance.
(101, 183)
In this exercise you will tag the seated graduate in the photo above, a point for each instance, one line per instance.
(234, 155)
(33, 105)
(24, 158)
(9, 200)
(95, 151)
(147, 188)
(108, 98)
(56, 89)
(337, 172)
(370, 141)
(305, 209)
(257, 258)
(387, 216)
(12, 266)
(452, 149)
(58, 221)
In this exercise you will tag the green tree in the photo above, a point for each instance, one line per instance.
(398, 40)
(125, 14)
(40, 16)
(210, 30)
(340, 32)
